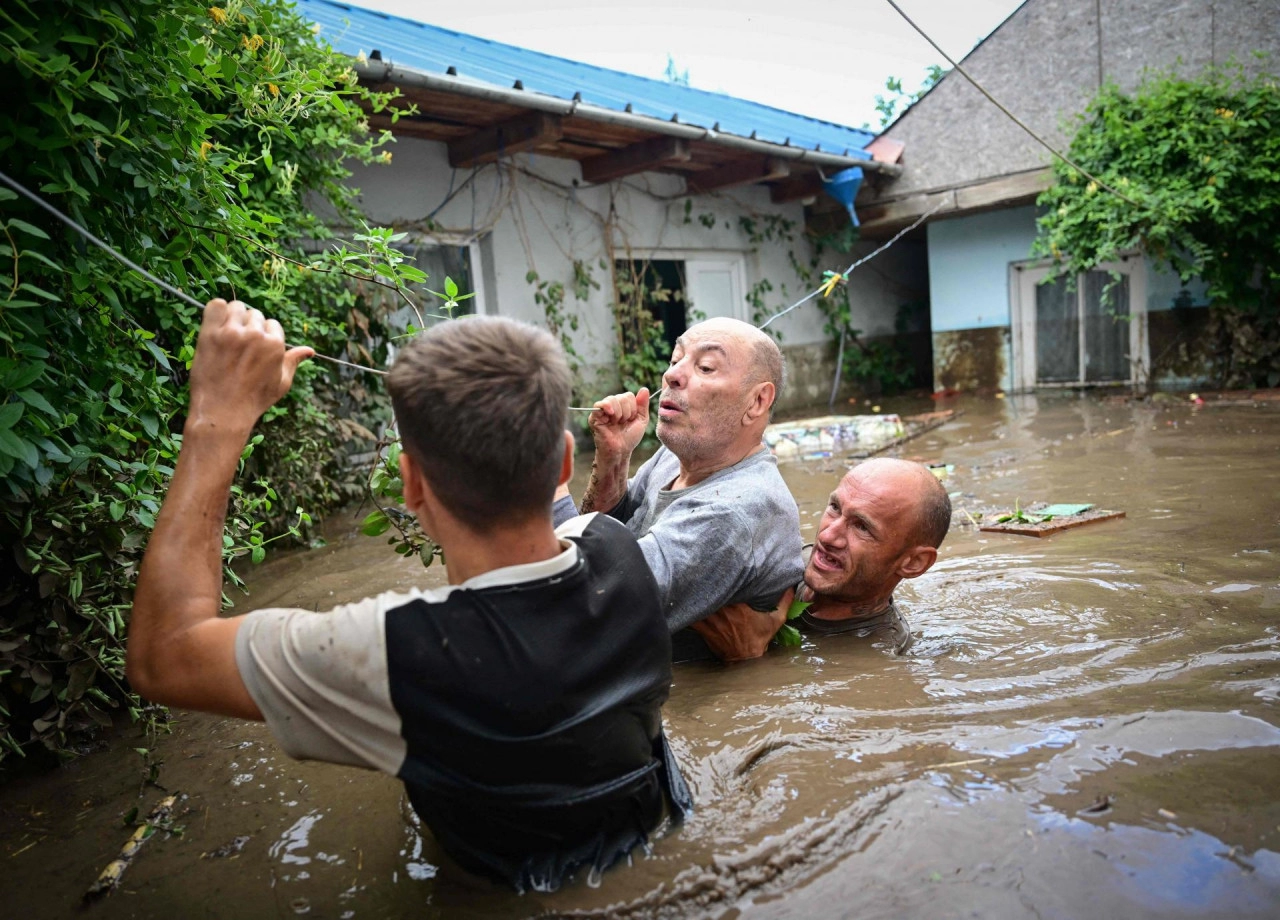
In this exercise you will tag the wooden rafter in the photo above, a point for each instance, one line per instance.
(744, 172)
(795, 188)
(523, 132)
(646, 155)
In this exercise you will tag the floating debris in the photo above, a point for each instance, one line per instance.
(1101, 805)
(110, 876)
(859, 435)
(228, 850)
(1043, 520)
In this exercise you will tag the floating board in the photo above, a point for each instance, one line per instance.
(1064, 517)
(853, 435)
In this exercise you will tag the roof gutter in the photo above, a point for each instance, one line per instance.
(381, 72)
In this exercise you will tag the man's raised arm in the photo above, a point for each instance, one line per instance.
(180, 652)
(617, 426)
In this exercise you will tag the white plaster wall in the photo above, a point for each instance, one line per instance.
(530, 215)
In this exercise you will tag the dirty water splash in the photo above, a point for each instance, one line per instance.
(1088, 725)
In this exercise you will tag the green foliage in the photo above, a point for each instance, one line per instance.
(1201, 159)
(386, 484)
(900, 100)
(787, 635)
(550, 296)
(195, 140)
(643, 352)
(881, 366)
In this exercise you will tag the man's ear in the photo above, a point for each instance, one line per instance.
(762, 397)
(566, 463)
(418, 495)
(410, 474)
(916, 561)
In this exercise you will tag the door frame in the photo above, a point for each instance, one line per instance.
(736, 258)
(1023, 276)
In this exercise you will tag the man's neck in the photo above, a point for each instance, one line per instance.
(697, 469)
(468, 554)
(832, 608)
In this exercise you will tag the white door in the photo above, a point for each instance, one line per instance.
(714, 287)
(1082, 331)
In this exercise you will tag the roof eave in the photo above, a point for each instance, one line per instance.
(385, 72)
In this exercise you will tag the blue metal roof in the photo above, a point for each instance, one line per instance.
(431, 49)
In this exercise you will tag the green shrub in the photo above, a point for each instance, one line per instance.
(198, 141)
(1199, 161)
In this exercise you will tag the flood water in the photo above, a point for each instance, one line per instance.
(1087, 726)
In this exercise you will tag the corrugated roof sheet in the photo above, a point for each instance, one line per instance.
(351, 29)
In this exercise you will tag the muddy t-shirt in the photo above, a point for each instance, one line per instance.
(520, 708)
(732, 538)
(891, 624)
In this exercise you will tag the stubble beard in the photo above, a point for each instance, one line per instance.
(693, 447)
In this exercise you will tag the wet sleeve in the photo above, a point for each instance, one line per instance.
(702, 557)
(321, 682)
(563, 510)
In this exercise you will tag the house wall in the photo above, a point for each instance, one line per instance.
(531, 215)
(969, 294)
(1047, 60)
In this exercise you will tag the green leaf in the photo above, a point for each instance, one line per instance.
(788, 636)
(161, 358)
(19, 448)
(32, 398)
(375, 524)
(257, 554)
(798, 607)
(450, 287)
(27, 228)
(9, 415)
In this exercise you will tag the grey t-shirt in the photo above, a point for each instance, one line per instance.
(732, 538)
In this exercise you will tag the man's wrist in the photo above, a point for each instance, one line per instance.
(215, 432)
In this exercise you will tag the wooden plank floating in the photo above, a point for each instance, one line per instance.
(1056, 525)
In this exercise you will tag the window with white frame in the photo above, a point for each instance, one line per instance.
(1082, 330)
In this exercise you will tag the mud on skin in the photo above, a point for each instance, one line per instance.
(1087, 725)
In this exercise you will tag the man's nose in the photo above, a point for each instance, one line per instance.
(674, 376)
(831, 531)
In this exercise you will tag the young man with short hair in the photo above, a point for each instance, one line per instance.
(520, 704)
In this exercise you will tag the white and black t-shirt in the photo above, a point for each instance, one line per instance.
(522, 708)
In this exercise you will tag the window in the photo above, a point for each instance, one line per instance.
(1080, 331)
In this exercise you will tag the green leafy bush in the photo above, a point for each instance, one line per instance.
(198, 141)
(1199, 160)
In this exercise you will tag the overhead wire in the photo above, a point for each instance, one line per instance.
(1014, 118)
(135, 267)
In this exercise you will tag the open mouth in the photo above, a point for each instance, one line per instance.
(824, 561)
(668, 408)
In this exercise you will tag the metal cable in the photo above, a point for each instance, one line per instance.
(134, 266)
(1016, 120)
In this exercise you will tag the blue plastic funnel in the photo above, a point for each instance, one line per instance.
(843, 187)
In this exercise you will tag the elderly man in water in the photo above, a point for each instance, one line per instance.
(716, 523)
(883, 523)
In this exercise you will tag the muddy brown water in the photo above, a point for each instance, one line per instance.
(1087, 726)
